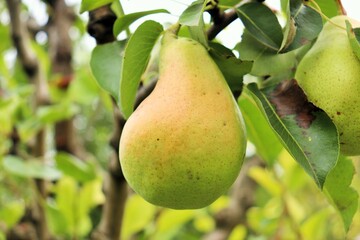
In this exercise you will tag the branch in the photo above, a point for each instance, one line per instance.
(101, 23)
(221, 21)
(115, 187)
(31, 66)
(27, 57)
(60, 21)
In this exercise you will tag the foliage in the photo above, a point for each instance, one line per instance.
(305, 188)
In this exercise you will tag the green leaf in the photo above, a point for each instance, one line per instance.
(117, 8)
(66, 190)
(85, 201)
(262, 24)
(125, 21)
(5, 38)
(281, 66)
(88, 5)
(328, 7)
(136, 57)
(56, 113)
(138, 214)
(31, 168)
(305, 23)
(315, 226)
(258, 130)
(84, 89)
(28, 128)
(229, 2)
(11, 213)
(238, 233)
(8, 110)
(103, 62)
(308, 134)
(266, 180)
(354, 38)
(198, 33)
(193, 14)
(340, 193)
(170, 221)
(56, 220)
(74, 167)
(231, 67)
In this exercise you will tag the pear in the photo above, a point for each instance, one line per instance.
(183, 147)
(329, 74)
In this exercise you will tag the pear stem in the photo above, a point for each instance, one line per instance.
(170, 34)
(174, 29)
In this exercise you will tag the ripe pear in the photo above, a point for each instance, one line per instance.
(183, 147)
(329, 74)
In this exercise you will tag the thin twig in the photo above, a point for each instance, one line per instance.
(222, 21)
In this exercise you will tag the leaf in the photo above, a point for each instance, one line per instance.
(328, 7)
(258, 130)
(117, 8)
(170, 221)
(87, 199)
(28, 128)
(56, 220)
(193, 14)
(307, 24)
(229, 2)
(74, 167)
(8, 110)
(31, 168)
(135, 60)
(354, 38)
(138, 214)
(262, 24)
(266, 180)
(238, 233)
(11, 213)
(126, 20)
(88, 5)
(198, 33)
(66, 190)
(340, 193)
(103, 60)
(314, 227)
(204, 223)
(84, 89)
(281, 66)
(307, 133)
(56, 113)
(231, 67)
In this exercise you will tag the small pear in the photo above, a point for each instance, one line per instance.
(183, 147)
(329, 74)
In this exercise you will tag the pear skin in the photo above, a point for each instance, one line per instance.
(183, 147)
(329, 74)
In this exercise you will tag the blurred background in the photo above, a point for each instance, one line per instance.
(277, 202)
